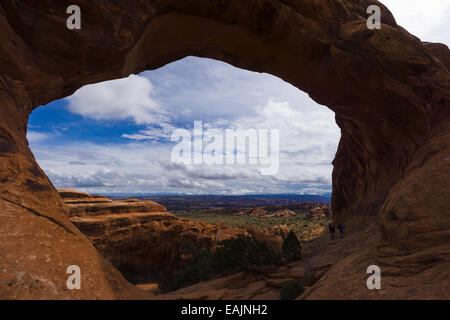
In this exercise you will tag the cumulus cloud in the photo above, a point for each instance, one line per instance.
(34, 136)
(163, 132)
(308, 138)
(219, 95)
(128, 98)
(143, 168)
(426, 19)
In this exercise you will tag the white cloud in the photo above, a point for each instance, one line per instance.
(314, 191)
(128, 98)
(146, 167)
(308, 138)
(221, 96)
(35, 137)
(161, 133)
(426, 19)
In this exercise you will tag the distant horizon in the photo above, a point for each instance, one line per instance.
(326, 195)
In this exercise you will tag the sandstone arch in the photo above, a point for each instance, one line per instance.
(389, 90)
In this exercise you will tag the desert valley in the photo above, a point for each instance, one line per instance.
(170, 256)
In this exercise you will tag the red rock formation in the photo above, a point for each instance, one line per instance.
(256, 212)
(281, 230)
(143, 240)
(319, 212)
(284, 213)
(390, 93)
(252, 212)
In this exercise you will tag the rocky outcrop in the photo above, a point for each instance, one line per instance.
(34, 264)
(145, 242)
(262, 213)
(252, 212)
(102, 206)
(320, 212)
(280, 230)
(284, 213)
(390, 93)
(256, 212)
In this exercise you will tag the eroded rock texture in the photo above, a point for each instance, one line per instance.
(389, 90)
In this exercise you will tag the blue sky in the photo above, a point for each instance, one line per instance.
(114, 137)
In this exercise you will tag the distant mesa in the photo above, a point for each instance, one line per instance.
(132, 200)
(73, 194)
(284, 213)
(252, 212)
(257, 212)
(262, 213)
(82, 204)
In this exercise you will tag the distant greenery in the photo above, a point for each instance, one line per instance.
(304, 228)
(231, 255)
(291, 290)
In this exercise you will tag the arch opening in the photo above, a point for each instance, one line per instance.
(144, 111)
(115, 139)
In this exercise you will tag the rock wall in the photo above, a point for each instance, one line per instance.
(390, 93)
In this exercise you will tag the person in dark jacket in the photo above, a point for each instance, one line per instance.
(341, 228)
(332, 228)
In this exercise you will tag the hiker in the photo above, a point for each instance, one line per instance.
(332, 230)
(341, 228)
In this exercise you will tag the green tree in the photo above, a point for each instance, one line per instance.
(292, 249)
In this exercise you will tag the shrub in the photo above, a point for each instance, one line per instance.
(231, 255)
(292, 249)
(291, 290)
(244, 253)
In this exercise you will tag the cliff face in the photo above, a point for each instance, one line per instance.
(145, 242)
(390, 93)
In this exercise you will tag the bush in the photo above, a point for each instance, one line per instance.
(292, 249)
(201, 269)
(231, 255)
(244, 253)
(291, 290)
